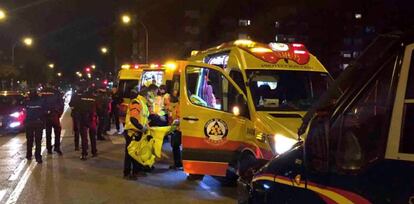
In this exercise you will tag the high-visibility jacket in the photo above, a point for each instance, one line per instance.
(138, 109)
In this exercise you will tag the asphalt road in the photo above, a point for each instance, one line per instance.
(67, 179)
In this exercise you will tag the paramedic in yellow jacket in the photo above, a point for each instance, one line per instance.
(136, 124)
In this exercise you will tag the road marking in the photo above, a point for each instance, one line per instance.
(20, 186)
(2, 193)
(14, 196)
(17, 171)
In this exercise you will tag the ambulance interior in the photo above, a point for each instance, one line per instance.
(209, 88)
(152, 77)
(279, 90)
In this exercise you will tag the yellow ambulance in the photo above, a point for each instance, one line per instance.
(242, 102)
(138, 75)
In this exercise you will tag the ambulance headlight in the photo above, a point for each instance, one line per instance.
(283, 143)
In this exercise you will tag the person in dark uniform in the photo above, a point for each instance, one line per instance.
(86, 105)
(77, 94)
(102, 101)
(35, 117)
(55, 106)
(115, 103)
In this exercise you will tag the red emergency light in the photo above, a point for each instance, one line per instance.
(274, 52)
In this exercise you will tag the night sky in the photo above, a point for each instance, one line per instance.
(70, 32)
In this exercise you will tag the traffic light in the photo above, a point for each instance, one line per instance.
(88, 69)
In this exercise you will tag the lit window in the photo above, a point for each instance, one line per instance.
(244, 22)
(277, 24)
(358, 16)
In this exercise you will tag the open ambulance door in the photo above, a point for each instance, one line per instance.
(212, 120)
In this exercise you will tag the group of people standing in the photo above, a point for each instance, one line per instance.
(92, 111)
(150, 106)
(43, 111)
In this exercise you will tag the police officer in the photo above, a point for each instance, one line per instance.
(55, 106)
(116, 100)
(77, 94)
(35, 116)
(102, 101)
(136, 123)
(86, 105)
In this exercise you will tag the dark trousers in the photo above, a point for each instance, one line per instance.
(34, 134)
(102, 124)
(130, 165)
(156, 120)
(176, 144)
(53, 122)
(88, 123)
(115, 117)
(76, 129)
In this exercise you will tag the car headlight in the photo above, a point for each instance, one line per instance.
(15, 124)
(283, 143)
(15, 114)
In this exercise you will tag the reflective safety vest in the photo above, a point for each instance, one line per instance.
(158, 106)
(138, 109)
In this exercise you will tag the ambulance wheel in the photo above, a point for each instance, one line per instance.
(195, 177)
(246, 166)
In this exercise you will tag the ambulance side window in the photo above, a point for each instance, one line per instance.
(407, 133)
(210, 88)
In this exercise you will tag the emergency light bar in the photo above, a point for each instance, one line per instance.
(273, 52)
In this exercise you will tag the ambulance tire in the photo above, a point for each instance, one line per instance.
(230, 180)
(246, 164)
(195, 177)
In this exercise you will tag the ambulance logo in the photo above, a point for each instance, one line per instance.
(216, 131)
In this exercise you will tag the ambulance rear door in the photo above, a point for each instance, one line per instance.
(213, 117)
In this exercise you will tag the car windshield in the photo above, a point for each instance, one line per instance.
(125, 87)
(10, 100)
(279, 90)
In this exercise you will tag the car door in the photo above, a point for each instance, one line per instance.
(211, 131)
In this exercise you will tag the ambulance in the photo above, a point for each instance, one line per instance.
(244, 103)
(359, 146)
(138, 75)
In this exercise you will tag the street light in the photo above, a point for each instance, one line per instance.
(27, 41)
(126, 20)
(51, 65)
(93, 66)
(59, 74)
(3, 15)
(104, 50)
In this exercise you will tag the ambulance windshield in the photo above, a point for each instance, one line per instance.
(277, 90)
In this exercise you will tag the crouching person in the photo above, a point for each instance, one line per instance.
(136, 124)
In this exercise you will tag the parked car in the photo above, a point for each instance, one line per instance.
(12, 111)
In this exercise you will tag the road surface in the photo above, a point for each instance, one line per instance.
(67, 179)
